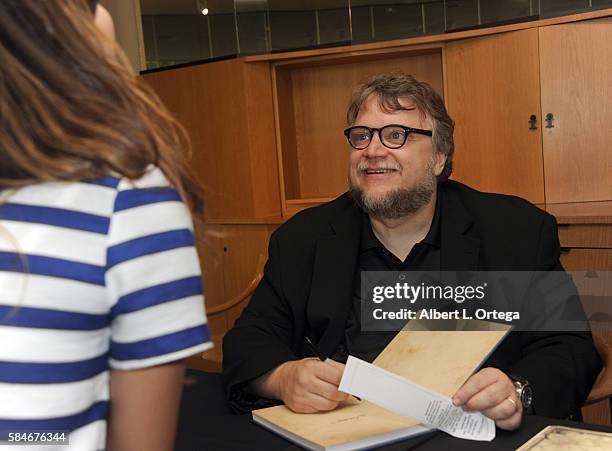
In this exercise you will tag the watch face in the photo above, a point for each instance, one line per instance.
(526, 396)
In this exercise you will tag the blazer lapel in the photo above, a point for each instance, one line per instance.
(332, 279)
(459, 250)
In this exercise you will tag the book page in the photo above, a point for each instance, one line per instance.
(352, 420)
(400, 395)
(438, 360)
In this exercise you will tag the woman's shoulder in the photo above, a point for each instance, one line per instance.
(152, 177)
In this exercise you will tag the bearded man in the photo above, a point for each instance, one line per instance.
(401, 214)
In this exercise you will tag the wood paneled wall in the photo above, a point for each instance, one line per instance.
(227, 108)
(576, 79)
(493, 87)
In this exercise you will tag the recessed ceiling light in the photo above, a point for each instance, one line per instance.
(204, 11)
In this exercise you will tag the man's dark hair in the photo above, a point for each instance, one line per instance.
(390, 88)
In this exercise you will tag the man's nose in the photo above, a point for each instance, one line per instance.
(376, 148)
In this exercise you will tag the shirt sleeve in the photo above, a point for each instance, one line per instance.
(153, 277)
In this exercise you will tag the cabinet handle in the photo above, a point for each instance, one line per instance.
(550, 118)
(532, 122)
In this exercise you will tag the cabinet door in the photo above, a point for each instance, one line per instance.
(576, 79)
(492, 89)
(226, 106)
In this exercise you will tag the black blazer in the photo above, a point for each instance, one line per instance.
(308, 279)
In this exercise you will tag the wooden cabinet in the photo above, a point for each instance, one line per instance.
(494, 85)
(227, 109)
(576, 80)
(499, 88)
(267, 129)
(492, 90)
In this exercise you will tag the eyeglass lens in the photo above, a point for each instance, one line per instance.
(390, 135)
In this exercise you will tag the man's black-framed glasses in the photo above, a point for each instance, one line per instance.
(392, 136)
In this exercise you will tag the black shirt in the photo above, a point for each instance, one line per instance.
(373, 256)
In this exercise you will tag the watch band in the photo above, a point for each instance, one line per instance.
(524, 391)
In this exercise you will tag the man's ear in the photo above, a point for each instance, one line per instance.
(439, 162)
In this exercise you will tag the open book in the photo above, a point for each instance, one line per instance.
(438, 360)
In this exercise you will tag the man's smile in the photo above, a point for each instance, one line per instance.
(383, 169)
(379, 171)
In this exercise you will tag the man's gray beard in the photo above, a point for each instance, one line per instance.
(398, 203)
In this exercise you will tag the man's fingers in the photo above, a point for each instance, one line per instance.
(491, 392)
(504, 410)
(328, 378)
(329, 371)
(312, 386)
(328, 390)
(301, 408)
(511, 423)
(490, 396)
(338, 365)
(474, 384)
(307, 402)
(321, 403)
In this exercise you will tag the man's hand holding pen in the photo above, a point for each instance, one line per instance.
(310, 385)
(306, 386)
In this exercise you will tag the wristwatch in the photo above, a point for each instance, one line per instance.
(523, 390)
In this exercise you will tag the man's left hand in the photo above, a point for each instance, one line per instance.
(491, 392)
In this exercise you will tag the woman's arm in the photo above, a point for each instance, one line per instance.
(144, 407)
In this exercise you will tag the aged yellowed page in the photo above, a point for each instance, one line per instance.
(438, 360)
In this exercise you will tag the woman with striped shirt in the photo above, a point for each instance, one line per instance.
(100, 284)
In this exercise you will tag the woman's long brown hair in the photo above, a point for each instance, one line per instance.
(71, 108)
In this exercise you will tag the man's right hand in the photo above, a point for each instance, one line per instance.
(305, 386)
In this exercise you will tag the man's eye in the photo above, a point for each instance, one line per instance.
(395, 135)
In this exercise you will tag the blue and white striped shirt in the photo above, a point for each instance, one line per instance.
(93, 277)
